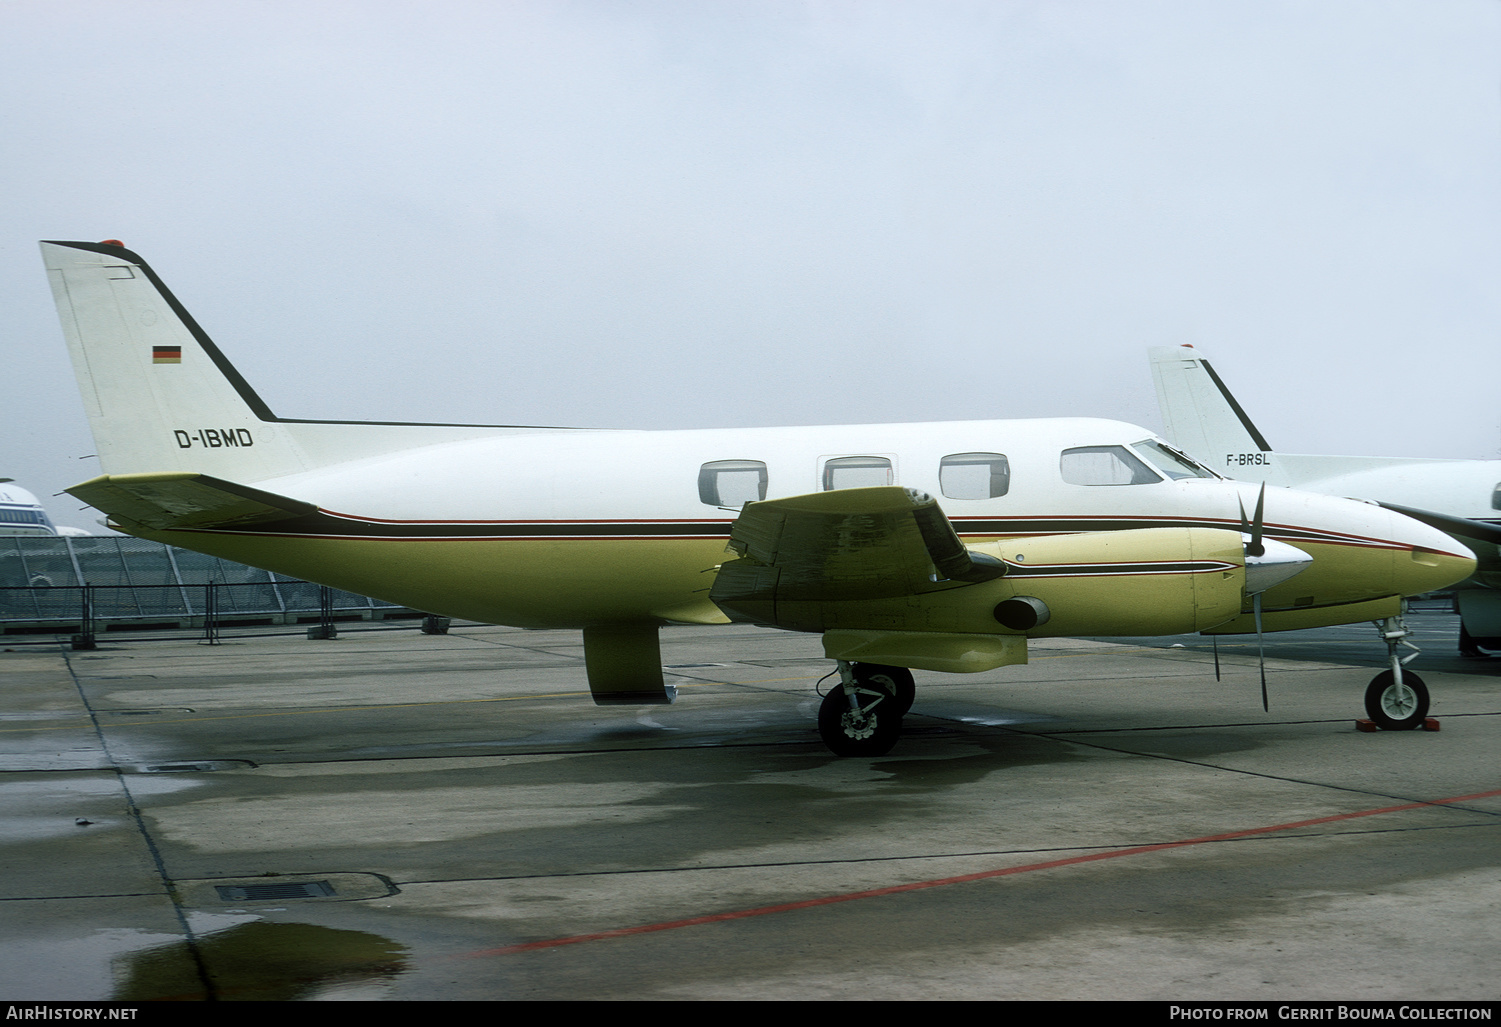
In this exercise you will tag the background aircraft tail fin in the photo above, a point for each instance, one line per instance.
(161, 397)
(1201, 417)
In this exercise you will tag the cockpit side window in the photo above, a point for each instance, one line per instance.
(1104, 465)
(732, 483)
(974, 475)
(1171, 462)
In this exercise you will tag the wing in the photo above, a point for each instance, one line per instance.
(1459, 527)
(182, 500)
(842, 546)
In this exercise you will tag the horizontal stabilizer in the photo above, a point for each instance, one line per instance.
(179, 500)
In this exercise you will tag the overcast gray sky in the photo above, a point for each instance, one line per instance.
(704, 214)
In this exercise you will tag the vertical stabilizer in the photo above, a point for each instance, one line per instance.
(159, 395)
(1201, 417)
(162, 398)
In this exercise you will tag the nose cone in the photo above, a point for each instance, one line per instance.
(1433, 560)
(1360, 551)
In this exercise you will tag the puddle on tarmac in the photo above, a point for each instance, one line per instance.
(264, 962)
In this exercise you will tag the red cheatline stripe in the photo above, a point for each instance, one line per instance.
(829, 900)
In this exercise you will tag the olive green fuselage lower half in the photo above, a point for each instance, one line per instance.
(576, 582)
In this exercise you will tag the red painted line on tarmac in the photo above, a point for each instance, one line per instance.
(828, 900)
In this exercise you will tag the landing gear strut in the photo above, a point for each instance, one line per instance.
(1396, 699)
(862, 715)
(1468, 647)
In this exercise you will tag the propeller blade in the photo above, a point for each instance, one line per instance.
(1254, 547)
(1260, 651)
(1269, 561)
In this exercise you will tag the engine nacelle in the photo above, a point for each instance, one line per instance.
(1147, 581)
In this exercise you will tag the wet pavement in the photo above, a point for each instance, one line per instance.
(403, 816)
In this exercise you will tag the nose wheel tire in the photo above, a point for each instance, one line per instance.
(1396, 707)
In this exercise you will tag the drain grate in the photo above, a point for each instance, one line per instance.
(262, 892)
(301, 886)
(195, 767)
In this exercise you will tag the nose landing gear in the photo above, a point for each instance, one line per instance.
(1396, 699)
(1397, 705)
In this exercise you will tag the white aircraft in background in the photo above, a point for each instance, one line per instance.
(20, 513)
(1461, 497)
(1052, 527)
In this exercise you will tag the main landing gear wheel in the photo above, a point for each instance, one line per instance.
(895, 680)
(1397, 707)
(871, 724)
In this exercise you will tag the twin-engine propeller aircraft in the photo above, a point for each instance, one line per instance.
(1048, 528)
(1461, 497)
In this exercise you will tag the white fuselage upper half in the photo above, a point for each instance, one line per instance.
(573, 477)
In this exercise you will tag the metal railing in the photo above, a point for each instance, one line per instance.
(185, 610)
(90, 585)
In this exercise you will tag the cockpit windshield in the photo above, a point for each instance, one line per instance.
(1174, 463)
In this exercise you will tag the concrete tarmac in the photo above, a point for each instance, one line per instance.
(391, 815)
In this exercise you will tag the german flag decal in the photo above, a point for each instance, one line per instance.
(166, 354)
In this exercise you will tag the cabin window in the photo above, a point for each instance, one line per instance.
(1496, 498)
(732, 483)
(974, 475)
(1172, 462)
(856, 472)
(1104, 465)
